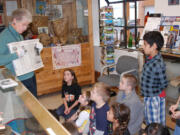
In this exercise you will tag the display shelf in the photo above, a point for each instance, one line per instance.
(126, 27)
(107, 35)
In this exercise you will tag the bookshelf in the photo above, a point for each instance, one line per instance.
(126, 27)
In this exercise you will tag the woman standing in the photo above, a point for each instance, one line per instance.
(21, 18)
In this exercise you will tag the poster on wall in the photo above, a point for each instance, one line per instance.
(173, 2)
(66, 56)
(54, 12)
(40, 7)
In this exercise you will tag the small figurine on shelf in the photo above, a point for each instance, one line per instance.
(2, 126)
(146, 18)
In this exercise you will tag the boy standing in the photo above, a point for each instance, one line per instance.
(128, 96)
(98, 116)
(153, 79)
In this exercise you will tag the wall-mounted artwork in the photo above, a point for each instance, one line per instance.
(54, 12)
(40, 7)
(173, 2)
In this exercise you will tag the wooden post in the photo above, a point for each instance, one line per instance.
(90, 27)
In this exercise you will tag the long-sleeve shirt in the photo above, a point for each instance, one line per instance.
(153, 78)
(136, 107)
(9, 35)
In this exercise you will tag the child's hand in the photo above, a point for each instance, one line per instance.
(66, 111)
(67, 97)
(173, 108)
(176, 115)
(73, 117)
(69, 110)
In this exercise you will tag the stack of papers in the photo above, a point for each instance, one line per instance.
(7, 83)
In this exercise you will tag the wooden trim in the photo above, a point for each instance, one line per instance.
(74, 15)
(90, 28)
(170, 123)
(43, 116)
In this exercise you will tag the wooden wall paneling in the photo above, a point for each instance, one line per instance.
(69, 12)
(8, 18)
(74, 14)
(29, 4)
(50, 80)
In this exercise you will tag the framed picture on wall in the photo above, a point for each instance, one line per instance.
(173, 2)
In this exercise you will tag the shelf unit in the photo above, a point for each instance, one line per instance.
(126, 27)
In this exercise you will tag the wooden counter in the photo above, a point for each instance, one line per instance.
(50, 80)
(19, 103)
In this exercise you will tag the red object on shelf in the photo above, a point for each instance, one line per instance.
(34, 36)
(146, 17)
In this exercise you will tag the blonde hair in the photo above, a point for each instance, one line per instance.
(103, 90)
(21, 14)
(131, 80)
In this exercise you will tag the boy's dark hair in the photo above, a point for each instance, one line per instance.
(71, 127)
(157, 129)
(154, 37)
(74, 81)
(122, 114)
(142, 132)
(131, 80)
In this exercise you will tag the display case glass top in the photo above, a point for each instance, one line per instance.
(23, 113)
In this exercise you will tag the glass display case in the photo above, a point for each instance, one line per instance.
(22, 113)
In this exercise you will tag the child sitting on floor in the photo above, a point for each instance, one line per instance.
(98, 115)
(81, 118)
(127, 95)
(119, 115)
(70, 95)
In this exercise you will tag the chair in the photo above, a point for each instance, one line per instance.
(125, 64)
